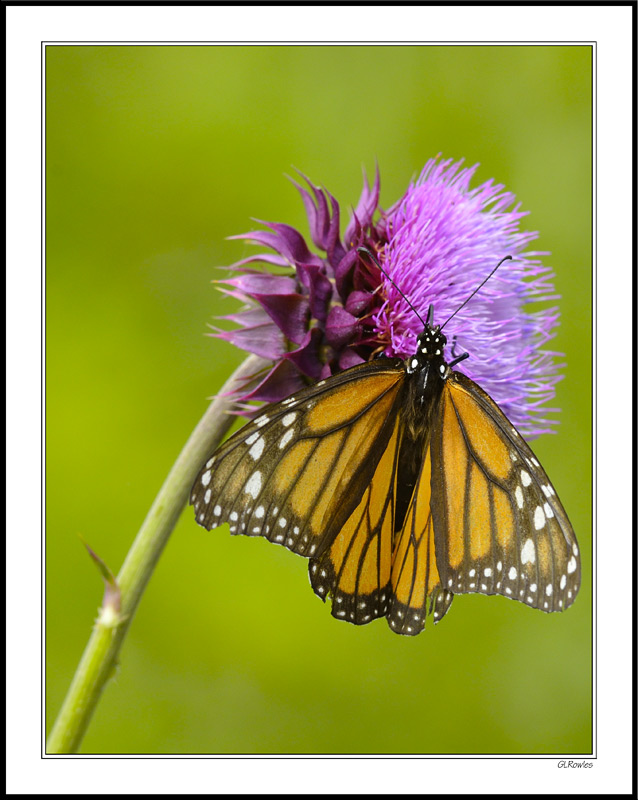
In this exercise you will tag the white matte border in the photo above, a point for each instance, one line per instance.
(610, 27)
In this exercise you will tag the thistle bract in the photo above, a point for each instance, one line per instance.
(316, 310)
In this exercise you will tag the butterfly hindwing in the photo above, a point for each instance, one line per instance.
(297, 472)
(416, 589)
(355, 570)
(499, 525)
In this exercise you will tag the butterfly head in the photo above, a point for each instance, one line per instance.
(430, 346)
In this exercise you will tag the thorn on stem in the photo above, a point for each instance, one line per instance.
(109, 613)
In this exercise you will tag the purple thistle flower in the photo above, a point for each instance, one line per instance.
(320, 314)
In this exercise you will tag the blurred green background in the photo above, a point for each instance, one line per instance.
(153, 156)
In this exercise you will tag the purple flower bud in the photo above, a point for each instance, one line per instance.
(342, 328)
(332, 309)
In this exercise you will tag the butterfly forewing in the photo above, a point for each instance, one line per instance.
(499, 525)
(297, 472)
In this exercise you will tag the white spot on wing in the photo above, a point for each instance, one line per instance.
(519, 496)
(571, 565)
(525, 478)
(289, 419)
(539, 518)
(253, 437)
(512, 573)
(257, 449)
(253, 486)
(286, 438)
(528, 553)
(206, 478)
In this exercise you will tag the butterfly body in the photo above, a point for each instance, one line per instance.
(404, 484)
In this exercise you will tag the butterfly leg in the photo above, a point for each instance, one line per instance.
(456, 359)
(453, 343)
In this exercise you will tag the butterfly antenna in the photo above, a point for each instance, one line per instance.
(373, 258)
(465, 302)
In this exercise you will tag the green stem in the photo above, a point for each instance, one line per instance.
(100, 656)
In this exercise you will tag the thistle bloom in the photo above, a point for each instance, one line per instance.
(321, 312)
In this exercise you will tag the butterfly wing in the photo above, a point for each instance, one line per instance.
(355, 569)
(416, 586)
(499, 527)
(296, 473)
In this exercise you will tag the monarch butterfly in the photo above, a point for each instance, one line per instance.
(404, 484)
